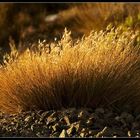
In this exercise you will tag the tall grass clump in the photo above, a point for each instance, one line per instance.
(101, 69)
(84, 17)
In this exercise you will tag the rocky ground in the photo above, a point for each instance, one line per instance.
(70, 123)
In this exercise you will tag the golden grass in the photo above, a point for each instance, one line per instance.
(100, 69)
(85, 17)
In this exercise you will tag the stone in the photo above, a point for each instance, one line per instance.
(127, 117)
(99, 111)
(28, 119)
(101, 133)
(54, 114)
(71, 130)
(56, 127)
(129, 134)
(136, 111)
(117, 118)
(90, 121)
(91, 133)
(73, 117)
(117, 132)
(83, 130)
(109, 115)
(135, 126)
(138, 118)
(67, 120)
(78, 126)
(51, 119)
(63, 134)
(51, 18)
(83, 114)
(44, 115)
(127, 108)
(82, 134)
(94, 116)
(38, 134)
(32, 127)
(56, 134)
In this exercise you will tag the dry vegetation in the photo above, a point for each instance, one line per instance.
(24, 20)
(27, 21)
(100, 69)
(82, 18)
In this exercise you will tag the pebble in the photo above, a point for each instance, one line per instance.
(82, 134)
(135, 126)
(67, 120)
(56, 134)
(101, 133)
(63, 134)
(78, 126)
(127, 117)
(83, 114)
(99, 111)
(138, 118)
(129, 134)
(28, 119)
(90, 121)
(62, 124)
(45, 114)
(71, 130)
(56, 127)
(50, 120)
(51, 18)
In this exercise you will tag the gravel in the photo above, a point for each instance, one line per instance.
(72, 122)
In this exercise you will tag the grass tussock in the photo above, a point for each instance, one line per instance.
(100, 69)
(83, 18)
